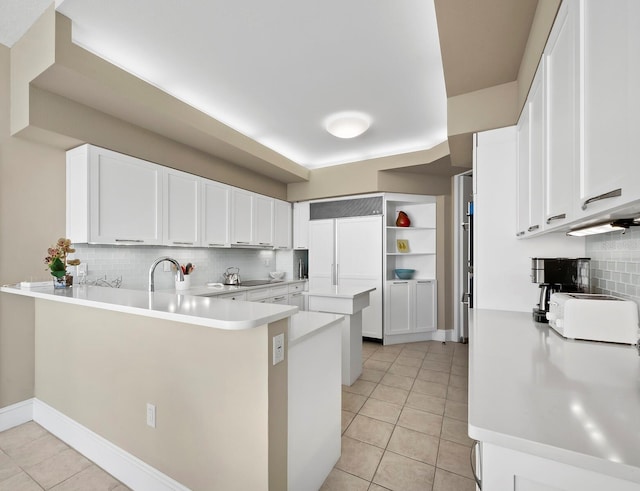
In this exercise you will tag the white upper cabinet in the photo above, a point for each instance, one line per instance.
(112, 198)
(587, 83)
(264, 220)
(301, 225)
(530, 167)
(117, 199)
(242, 217)
(282, 224)
(522, 173)
(609, 168)
(561, 66)
(536, 151)
(216, 198)
(181, 208)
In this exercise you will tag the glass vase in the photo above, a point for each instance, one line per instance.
(63, 281)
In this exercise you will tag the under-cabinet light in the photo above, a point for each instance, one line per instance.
(603, 228)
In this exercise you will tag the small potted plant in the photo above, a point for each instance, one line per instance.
(57, 262)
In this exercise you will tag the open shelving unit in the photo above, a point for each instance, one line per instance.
(420, 236)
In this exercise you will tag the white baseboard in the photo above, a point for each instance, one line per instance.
(437, 335)
(16, 414)
(122, 465)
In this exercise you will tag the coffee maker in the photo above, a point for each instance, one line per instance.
(558, 274)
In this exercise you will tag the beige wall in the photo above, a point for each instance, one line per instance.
(221, 407)
(32, 217)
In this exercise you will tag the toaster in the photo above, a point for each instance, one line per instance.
(594, 317)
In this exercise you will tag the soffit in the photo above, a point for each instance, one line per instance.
(482, 42)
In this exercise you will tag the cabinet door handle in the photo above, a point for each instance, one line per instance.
(130, 240)
(556, 217)
(239, 242)
(533, 227)
(520, 234)
(473, 465)
(213, 245)
(611, 194)
(182, 243)
(275, 299)
(400, 282)
(465, 298)
(264, 243)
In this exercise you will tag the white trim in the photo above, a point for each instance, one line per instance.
(435, 335)
(16, 414)
(122, 465)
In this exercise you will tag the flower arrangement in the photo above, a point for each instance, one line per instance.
(57, 258)
(188, 269)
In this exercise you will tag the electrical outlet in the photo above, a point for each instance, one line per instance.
(278, 348)
(166, 266)
(151, 415)
(82, 269)
(267, 262)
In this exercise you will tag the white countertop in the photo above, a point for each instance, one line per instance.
(203, 311)
(305, 324)
(220, 289)
(339, 291)
(531, 390)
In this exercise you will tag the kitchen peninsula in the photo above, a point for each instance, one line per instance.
(205, 365)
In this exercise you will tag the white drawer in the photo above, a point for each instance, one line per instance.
(278, 291)
(296, 287)
(234, 296)
(258, 294)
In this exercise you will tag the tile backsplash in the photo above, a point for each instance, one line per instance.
(615, 263)
(132, 263)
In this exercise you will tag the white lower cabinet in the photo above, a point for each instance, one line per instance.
(297, 299)
(233, 296)
(504, 469)
(410, 307)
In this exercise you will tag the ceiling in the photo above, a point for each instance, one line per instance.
(274, 74)
(274, 71)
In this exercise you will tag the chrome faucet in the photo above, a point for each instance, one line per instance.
(179, 275)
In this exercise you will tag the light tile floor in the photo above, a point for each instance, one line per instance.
(404, 421)
(404, 427)
(32, 459)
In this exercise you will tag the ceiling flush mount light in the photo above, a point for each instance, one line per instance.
(603, 228)
(348, 124)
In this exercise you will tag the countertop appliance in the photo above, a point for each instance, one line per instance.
(594, 317)
(558, 274)
(231, 277)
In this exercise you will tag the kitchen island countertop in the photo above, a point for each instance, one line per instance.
(575, 402)
(203, 311)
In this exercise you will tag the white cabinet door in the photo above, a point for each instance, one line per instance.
(282, 225)
(181, 209)
(125, 196)
(398, 306)
(609, 168)
(301, 225)
(242, 217)
(359, 264)
(322, 245)
(297, 299)
(522, 174)
(426, 317)
(561, 63)
(264, 220)
(536, 152)
(215, 211)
